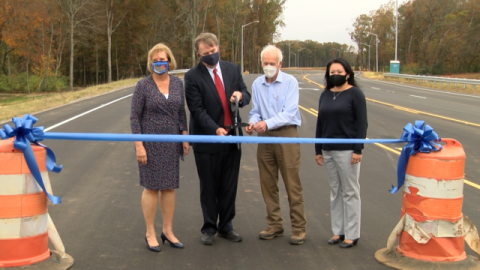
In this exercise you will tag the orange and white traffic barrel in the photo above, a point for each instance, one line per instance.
(432, 205)
(432, 227)
(23, 208)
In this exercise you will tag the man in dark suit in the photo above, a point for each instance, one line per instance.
(210, 88)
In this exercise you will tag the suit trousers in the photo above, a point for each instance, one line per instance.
(286, 158)
(345, 192)
(218, 173)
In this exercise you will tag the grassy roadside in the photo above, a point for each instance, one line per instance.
(451, 88)
(16, 105)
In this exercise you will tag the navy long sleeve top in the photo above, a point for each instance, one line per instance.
(342, 117)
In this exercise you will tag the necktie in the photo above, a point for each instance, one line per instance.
(227, 120)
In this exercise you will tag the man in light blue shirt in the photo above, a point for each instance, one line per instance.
(275, 114)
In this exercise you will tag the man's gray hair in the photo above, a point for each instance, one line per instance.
(271, 48)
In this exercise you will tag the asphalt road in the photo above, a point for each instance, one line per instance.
(100, 218)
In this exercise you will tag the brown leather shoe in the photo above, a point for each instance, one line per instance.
(270, 233)
(297, 238)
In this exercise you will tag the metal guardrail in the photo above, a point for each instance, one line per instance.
(441, 80)
(178, 71)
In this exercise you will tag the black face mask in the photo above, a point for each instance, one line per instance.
(211, 59)
(338, 80)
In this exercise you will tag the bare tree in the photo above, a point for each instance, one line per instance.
(209, 3)
(50, 45)
(96, 59)
(110, 29)
(192, 24)
(233, 11)
(79, 13)
(28, 82)
(217, 20)
(433, 23)
(152, 26)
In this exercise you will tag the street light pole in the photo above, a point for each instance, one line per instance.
(376, 44)
(368, 54)
(295, 58)
(396, 29)
(298, 52)
(242, 43)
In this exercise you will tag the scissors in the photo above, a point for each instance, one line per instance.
(236, 124)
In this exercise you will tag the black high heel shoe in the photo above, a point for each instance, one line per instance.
(174, 245)
(154, 249)
(349, 245)
(336, 241)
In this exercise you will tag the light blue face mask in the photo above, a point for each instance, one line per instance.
(160, 67)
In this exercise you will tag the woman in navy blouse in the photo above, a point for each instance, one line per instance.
(342, 113)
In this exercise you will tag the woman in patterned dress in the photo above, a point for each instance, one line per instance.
(158, 108)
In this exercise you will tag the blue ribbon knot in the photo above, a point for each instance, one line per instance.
(24, 134)
(420, 138)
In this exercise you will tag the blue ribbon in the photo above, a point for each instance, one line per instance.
(24, 134)
(421, 138)
(202, 138)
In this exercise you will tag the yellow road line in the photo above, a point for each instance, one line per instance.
(422, 112)
(305, 109)
(471, 184)
(310, 81)
(315, 111)
(388, 148)
(405, 108)
(391, 149)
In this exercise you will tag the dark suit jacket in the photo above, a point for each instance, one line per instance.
(203, 101)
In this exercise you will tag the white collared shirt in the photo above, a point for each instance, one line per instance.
(219, 72)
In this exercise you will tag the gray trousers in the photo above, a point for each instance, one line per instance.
(345, 193)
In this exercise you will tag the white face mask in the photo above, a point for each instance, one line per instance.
(269, 71)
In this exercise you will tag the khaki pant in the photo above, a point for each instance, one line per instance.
(286, 158)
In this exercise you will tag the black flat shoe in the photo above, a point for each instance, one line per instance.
(336, 241)
(174, 245)
(349, 245)
(154, 249)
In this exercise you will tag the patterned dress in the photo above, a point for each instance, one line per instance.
(153, 113)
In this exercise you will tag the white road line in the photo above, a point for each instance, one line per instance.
(375, 88)
(418, 96)
(423, 89)
(314, 89)
(87, 112)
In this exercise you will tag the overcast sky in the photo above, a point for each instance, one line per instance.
(324, 20)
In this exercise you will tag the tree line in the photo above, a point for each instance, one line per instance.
(310, 53)
(434, 36)
(54, 45)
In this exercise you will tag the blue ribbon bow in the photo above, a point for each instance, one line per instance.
(420, 138)
(24, 134)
